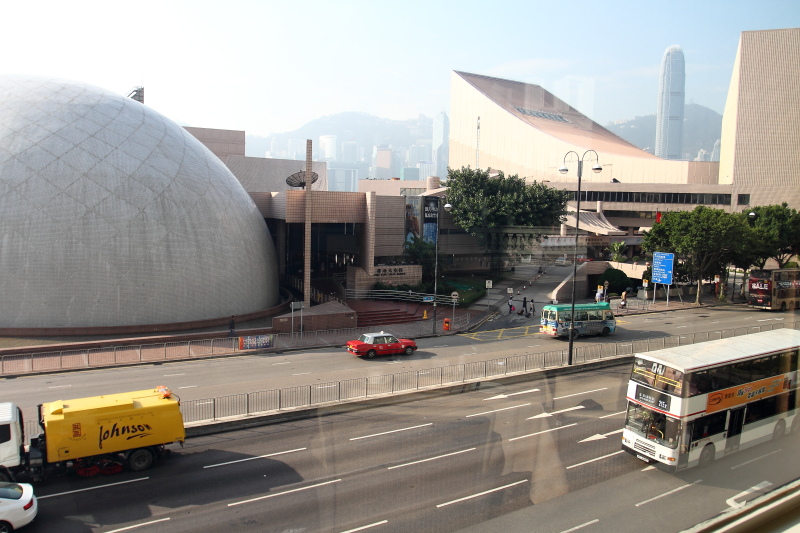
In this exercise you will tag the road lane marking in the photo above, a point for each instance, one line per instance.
(392, 431)
(139, 525)
(60, 387)
(91, 488)
(362, 528)
(613, 414)
(654, 498)
(499, 396)
(432, 458)
(579, 393)
(545, 431)
(281, 363)
(301, 374)
(600, 436)
(544, 415)
(576, 528)
(284, 492)
(596, 459)
(754, 460)
(187, 387)
(254, 458)
(498, 410)
(173, 375)
(481, 493)
(738, 505)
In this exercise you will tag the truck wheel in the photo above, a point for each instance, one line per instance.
(140, 459)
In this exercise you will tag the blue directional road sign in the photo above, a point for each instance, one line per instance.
(663, 267)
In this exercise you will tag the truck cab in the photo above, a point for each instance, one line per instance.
(11, 440)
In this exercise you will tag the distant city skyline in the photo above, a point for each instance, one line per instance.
(271, 66)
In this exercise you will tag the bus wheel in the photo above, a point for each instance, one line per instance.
(796, 425)
(606, 332)
(574, 334)
(707, 455)
(780, 430)
(783, 307)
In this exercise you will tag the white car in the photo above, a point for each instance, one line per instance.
(18, 506)
(562, 261)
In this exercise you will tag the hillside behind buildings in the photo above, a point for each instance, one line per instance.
(411, 139)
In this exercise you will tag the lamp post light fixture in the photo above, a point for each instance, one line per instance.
(596, 168)
(447, 207)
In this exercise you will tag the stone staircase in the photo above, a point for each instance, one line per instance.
(374, 313)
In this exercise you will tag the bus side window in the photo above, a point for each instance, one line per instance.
(699, 383)
(595, 314)
(708, 425)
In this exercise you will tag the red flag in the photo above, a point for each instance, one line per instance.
(658, 217)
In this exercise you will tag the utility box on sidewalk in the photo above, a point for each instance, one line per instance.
(446, 324)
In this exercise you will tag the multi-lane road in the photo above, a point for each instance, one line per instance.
(540, 455)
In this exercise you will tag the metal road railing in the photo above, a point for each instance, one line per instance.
(305, 396)
(27, 363)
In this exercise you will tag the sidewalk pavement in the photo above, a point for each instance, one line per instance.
(524, 282)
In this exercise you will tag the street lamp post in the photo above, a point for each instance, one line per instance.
(596, 168)
(447, 207)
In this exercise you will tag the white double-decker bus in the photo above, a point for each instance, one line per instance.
(690, 404)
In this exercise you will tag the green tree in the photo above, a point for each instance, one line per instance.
(481, 201)
(420, 252)
(776, 233)
(705, 239)
(617, 251)
(617, 280)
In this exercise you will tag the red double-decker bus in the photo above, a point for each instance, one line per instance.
(774, 289)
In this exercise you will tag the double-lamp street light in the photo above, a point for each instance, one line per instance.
(596, 168)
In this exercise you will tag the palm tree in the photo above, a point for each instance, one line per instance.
(617, 250)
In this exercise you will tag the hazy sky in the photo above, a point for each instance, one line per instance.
(271, 66)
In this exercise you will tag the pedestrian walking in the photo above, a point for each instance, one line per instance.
(524, 304)
(598, 296)
(510, 305)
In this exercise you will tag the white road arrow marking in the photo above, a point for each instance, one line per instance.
(737, 505)
(499, 396)
(599, 436)
(545, 415)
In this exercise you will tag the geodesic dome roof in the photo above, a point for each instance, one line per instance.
(113, 215)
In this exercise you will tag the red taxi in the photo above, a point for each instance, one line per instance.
(370, 345)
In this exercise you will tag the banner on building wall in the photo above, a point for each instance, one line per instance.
(413, 225)
(431, 218)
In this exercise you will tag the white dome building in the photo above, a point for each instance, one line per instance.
(113, 215)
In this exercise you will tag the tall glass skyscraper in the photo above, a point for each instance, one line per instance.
(671, 96)
(440, 146)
